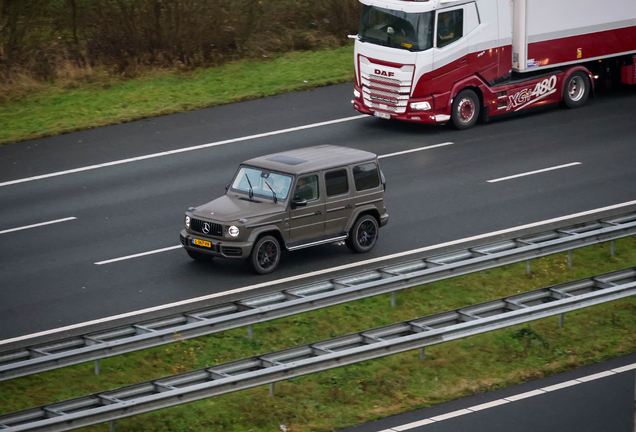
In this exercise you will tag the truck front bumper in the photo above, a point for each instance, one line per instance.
(427, 117)
(217, 248)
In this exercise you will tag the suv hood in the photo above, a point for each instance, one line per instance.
(231, 207)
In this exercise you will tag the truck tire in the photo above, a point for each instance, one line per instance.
(199, 256)
(576, 89)
(465, 109)
(265, 255)
(363, 235)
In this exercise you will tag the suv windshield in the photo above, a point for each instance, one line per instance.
(396, 29)
(256, 179)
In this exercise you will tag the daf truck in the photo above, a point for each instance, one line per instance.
(440, 61)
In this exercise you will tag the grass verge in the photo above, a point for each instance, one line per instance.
(64, 107)
(373, 389)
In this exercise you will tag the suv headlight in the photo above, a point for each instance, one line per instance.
(420, 106)
(233, 231)
(187, 221)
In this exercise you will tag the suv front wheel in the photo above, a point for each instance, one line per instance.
(363, 235)
(265, 255)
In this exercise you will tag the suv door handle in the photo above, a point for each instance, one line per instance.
(348, 207)
(318, 213)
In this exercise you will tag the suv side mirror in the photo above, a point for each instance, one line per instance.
(298, 202)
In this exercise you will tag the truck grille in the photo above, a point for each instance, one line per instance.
(213, 228)
(384, 93)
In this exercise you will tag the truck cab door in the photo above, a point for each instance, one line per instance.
(450, 54)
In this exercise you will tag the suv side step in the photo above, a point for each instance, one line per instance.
(338, 238)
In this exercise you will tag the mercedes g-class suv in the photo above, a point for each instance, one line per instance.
(295, 199)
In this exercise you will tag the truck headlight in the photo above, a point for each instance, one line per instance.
(233, 231)
(187, 221)
(356, 94)
(420, 106)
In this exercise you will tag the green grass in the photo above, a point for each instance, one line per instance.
(372, 389)
(64, 107)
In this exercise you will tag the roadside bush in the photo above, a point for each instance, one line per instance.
(46, 40)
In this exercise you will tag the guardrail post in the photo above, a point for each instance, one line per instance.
(421, 353)
(393, 299)
(271, 389)
(570, 258)
(249, 331)
(561, 320)
(112, 426)
(527, 266)
(612, 248)
(97, 367)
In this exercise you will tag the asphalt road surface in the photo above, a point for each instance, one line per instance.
(110, 196)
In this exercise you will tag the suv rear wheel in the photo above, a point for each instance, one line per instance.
(265, 255)
(363, 235)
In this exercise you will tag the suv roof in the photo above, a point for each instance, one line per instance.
(311, 159)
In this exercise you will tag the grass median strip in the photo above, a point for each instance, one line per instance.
(372, 389)
(55, 109)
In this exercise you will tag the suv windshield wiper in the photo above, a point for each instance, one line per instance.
(251, 194)
(273, 193)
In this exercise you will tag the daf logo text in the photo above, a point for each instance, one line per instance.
(384, 73)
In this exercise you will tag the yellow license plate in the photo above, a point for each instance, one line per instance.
(201, 243)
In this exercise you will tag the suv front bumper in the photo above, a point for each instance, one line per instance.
(217, 248)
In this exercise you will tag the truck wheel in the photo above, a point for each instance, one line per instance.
(576, 89)
(363, 235)
(265, 255)
(198, 256)
(465, 109)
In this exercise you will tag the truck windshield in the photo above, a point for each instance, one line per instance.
(396, 29)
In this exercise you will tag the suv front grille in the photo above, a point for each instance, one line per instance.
(213, 229)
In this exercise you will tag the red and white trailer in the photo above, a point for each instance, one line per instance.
(435, 61)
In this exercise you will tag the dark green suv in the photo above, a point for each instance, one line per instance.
(292, 200)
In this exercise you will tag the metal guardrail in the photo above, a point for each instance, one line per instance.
(321, 356)
(147, 334)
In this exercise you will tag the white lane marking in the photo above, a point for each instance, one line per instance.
(308, 275)
(415, 150)
(412, 425)
(38, 225)
(596, 376)
(183, 150)
(488, 405)
(138, 255)
(525, 395)
(534, 172)
(446, 416)
(508, 399)
(561, 385)
(625, 368)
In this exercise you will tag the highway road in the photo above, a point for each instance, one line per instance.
(90, 221)
(594, 398)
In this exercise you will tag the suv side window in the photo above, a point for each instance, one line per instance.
(366, 176)
(336, 182)
(307, 188)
